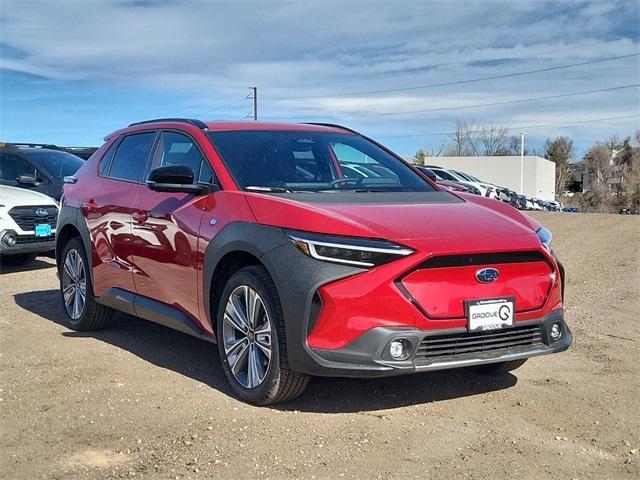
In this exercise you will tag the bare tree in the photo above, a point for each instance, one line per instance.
(628, 161)
(471, 139)
(598, 163)
(493, 140)
(514, 147)
(560, 151)
(460, 141)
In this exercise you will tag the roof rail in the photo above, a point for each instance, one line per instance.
(198, 123)
(49, 146)
(334, 125)
(82, 152)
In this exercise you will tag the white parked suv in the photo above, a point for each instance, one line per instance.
(486, 190)
(27, 225)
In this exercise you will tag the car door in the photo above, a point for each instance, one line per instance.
(107, 207)
(166, 228)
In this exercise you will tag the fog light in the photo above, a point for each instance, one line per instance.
(556, 331)
(9, 240)
(396, 349)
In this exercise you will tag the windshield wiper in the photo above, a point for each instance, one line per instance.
(371, 190)
(254, 188)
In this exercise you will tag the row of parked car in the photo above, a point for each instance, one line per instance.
(31, 179)
(458, 181)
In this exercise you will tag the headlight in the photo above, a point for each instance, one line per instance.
(360, 252)
(545, 236)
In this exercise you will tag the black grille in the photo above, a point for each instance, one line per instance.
(475, 342)
(26, 217)
(483, 259)
(33, 239)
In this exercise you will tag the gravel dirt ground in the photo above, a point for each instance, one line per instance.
(139, 400)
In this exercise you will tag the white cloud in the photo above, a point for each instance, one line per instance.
(293, 50)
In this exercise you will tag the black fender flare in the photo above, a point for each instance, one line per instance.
(73, 216)
(243, 237)
(297, 278)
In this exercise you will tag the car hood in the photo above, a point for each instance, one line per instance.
(439, 218)
(15, 196)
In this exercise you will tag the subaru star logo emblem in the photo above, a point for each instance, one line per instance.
(41, 212)
(487, 275)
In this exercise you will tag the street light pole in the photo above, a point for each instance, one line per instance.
(522, 134)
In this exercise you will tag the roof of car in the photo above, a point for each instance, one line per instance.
(29, 147)
(34, 149)
(226, 125)
(82, 152)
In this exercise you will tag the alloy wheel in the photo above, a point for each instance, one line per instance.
(74, 284)
(246, 331)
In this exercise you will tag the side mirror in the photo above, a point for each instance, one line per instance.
(28, 180)
(177, 179)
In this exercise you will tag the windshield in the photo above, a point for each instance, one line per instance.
(57, 164)
(312, 161)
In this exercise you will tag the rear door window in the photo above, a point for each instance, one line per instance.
(131, 156)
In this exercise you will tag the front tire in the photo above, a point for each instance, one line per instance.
(252, 341)
(78, 301)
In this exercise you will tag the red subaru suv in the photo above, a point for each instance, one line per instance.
(301, 250)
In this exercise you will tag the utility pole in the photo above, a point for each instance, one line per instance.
(522, 134)
(255, 103)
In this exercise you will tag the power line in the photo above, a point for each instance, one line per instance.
(506, 102)
(230, 104)
(460, 82)
(542, 125)
(411, 71)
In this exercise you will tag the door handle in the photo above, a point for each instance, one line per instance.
(140, 216)
(89, 207)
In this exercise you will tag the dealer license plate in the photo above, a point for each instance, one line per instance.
(490, 314)
(43, 230)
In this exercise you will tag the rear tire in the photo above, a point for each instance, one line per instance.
(76, 289)
(17, 260)
(252, 340)
(499, 368)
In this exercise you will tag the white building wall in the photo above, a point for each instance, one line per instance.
(539, 173)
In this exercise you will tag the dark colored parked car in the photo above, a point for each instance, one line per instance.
(628, 211)
(251, 235)
(36, 168)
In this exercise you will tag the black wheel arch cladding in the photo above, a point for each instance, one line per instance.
(72, 217)
(296, 276)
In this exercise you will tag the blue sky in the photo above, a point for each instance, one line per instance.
(72, 70)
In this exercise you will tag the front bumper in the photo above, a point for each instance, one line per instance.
(26, 244)
(340, 319)
(368, 356)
